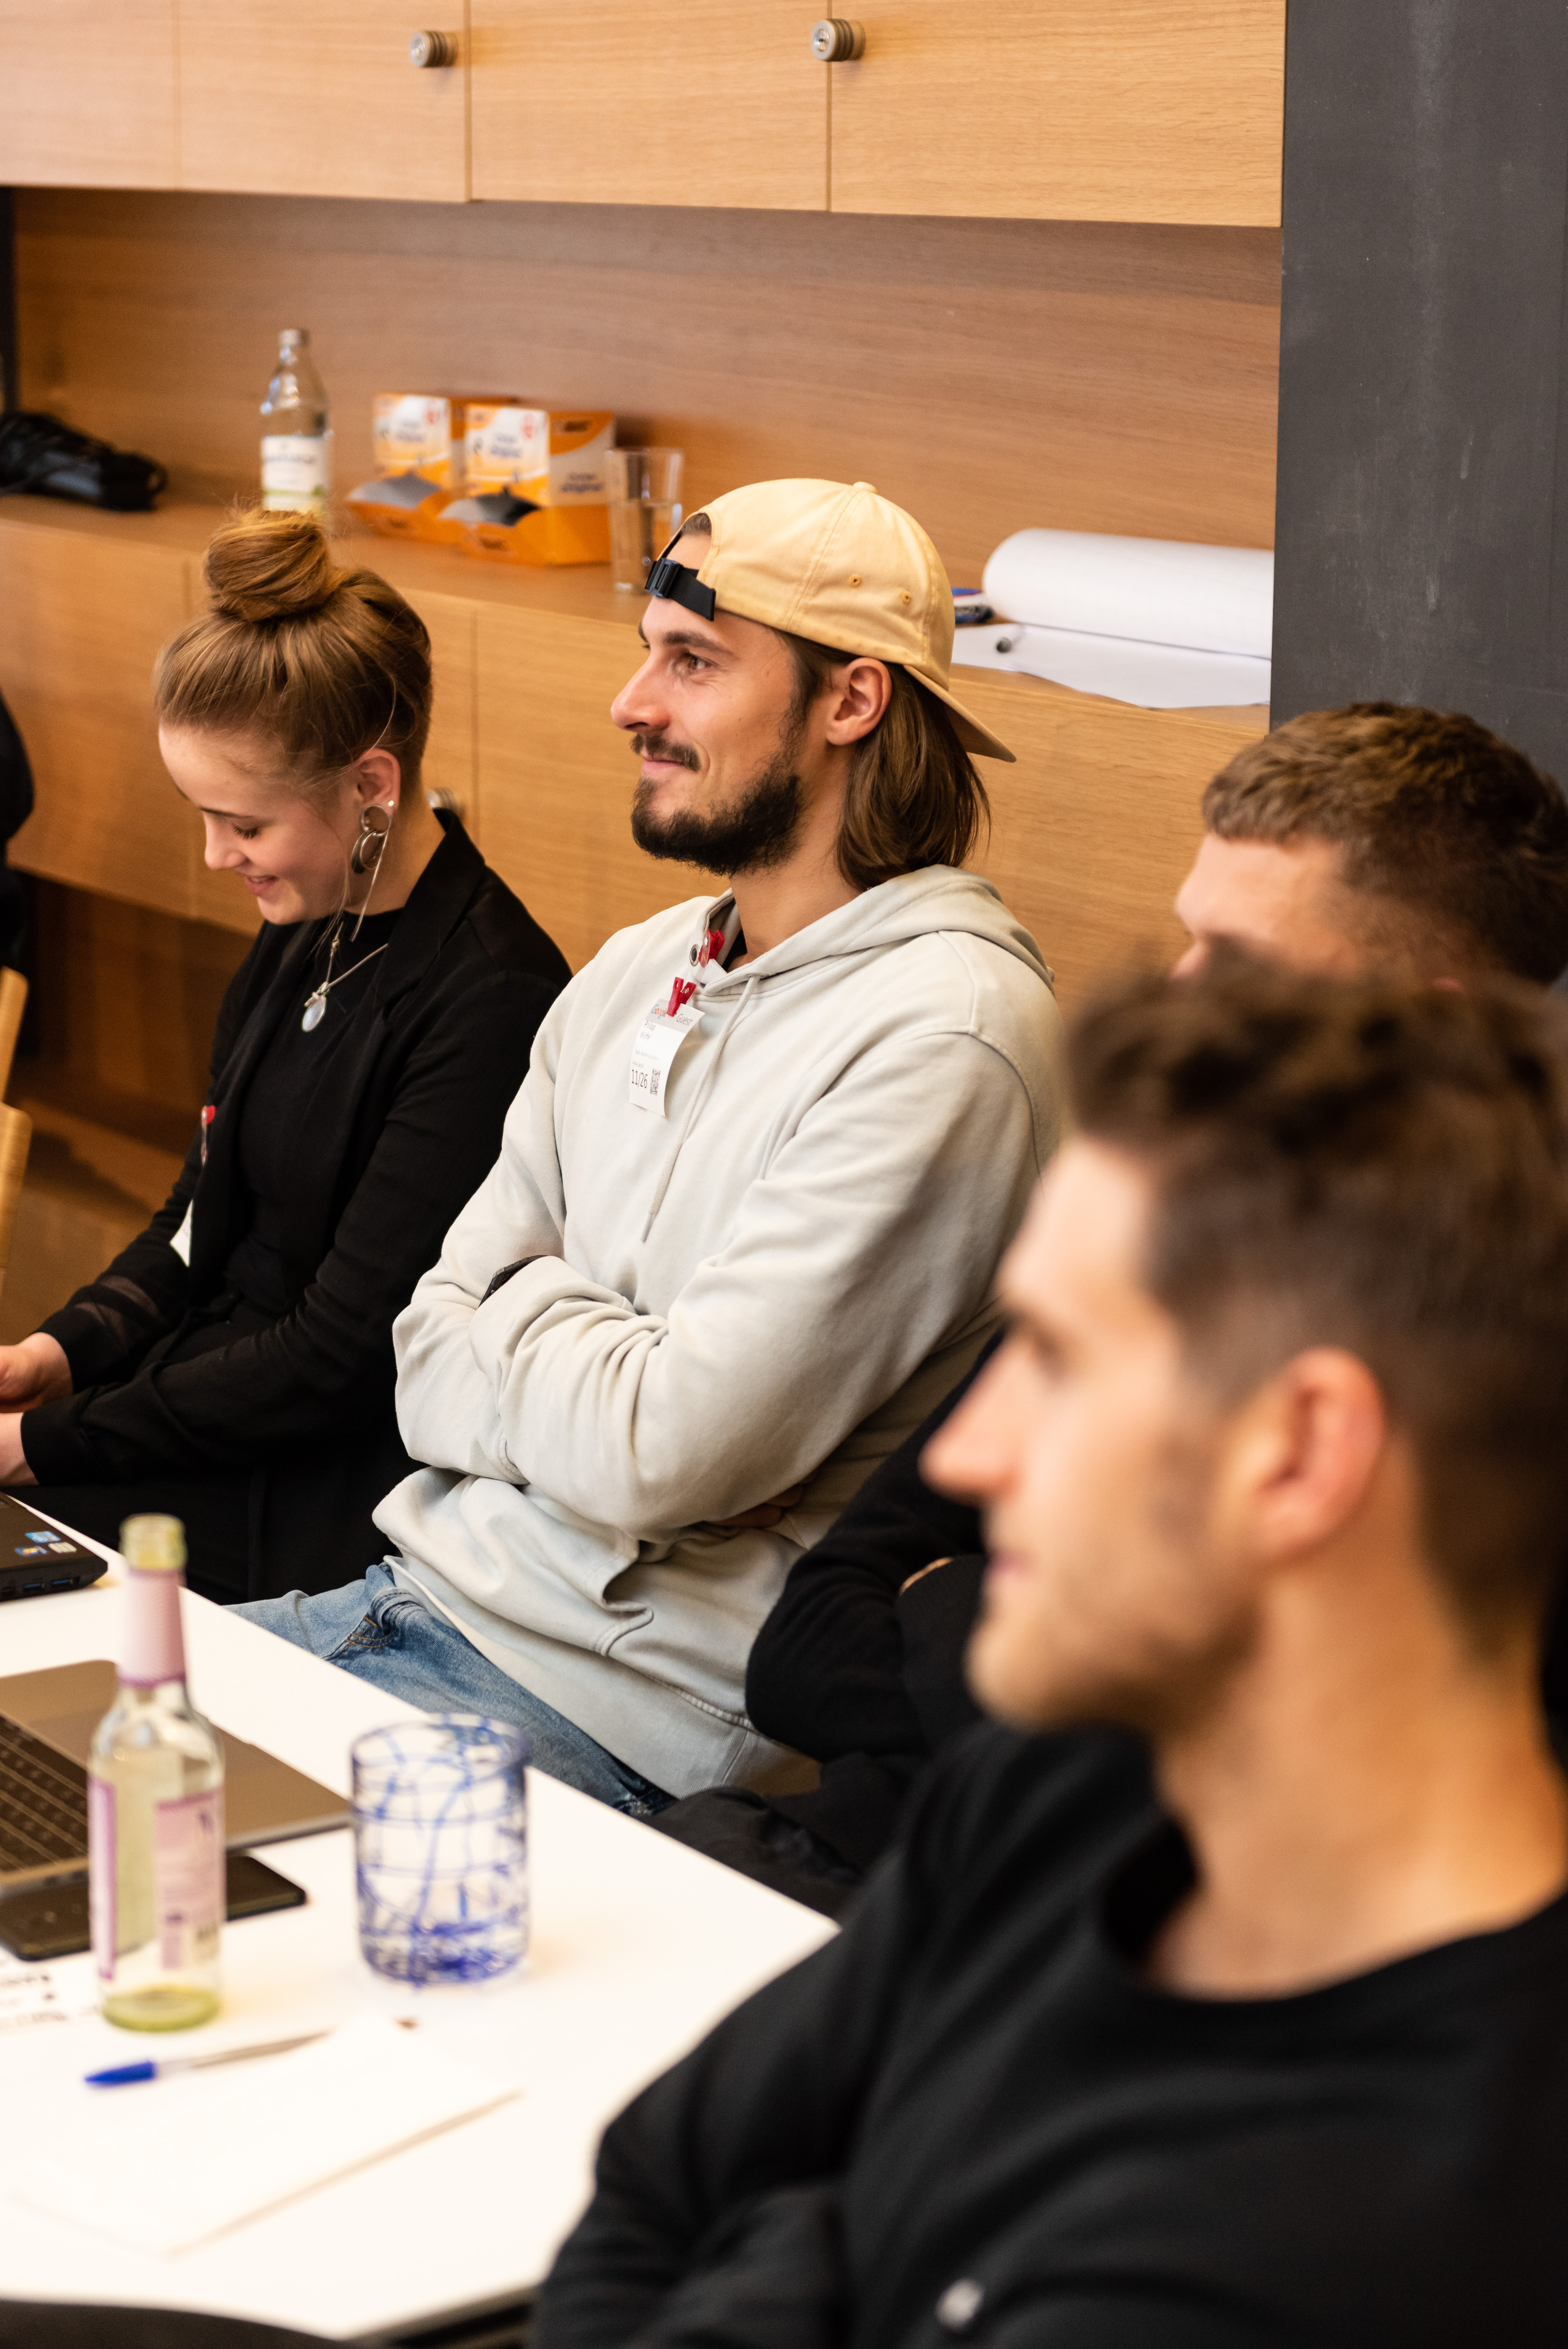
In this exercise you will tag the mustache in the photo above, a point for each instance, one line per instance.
(659, 746)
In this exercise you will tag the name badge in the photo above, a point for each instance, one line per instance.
(659, 1040)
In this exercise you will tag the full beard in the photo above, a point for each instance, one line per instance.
(757, 830)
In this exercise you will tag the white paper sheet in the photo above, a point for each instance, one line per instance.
(1155, 677)
(169, 2164)
(1155, 591)
(31, 1994)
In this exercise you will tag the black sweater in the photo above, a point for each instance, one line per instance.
(866, 1680)
(402, 1127)
(971, 2115)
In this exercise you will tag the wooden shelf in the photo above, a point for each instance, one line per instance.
(1091, 830)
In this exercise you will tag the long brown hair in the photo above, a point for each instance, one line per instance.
(327, 663)
(913, 797)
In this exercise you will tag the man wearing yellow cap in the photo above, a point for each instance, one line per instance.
(750, 1198)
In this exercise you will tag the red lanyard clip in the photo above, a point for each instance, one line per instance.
(680, 994)
(712, 948)
(208, 1112)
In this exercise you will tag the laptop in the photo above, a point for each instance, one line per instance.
(36, 1557)
(47, 1723)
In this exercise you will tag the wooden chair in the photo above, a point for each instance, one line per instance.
(12, 1003)
(15, 1138)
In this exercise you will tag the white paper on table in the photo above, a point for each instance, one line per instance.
(1155, 677)
(1146, 591)
(31, 1993)
(166, 2166)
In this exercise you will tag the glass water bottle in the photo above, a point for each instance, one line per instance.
(296, 433)
(155, 1809)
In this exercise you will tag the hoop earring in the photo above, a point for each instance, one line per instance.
(366, 852)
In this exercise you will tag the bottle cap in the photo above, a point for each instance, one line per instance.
(153, 1545)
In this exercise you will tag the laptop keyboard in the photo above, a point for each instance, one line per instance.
(43, 1802)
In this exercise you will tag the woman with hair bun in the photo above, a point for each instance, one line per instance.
(233, 1365)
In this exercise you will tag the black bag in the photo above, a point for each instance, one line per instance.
(42, 458)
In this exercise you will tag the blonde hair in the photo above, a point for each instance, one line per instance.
(326, 663)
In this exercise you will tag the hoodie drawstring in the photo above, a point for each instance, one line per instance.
(699, 1097)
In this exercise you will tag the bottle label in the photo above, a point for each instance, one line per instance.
(152, 1643)
(297, 471)
(188, 1861)
(103, 1875)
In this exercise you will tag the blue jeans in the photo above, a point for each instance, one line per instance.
(393, 1640)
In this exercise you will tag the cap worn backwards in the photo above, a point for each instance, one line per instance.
(838, 565)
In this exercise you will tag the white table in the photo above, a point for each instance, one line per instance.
(638, 1946)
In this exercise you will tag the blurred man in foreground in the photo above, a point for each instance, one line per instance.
(1375, 839)
(1273, 1478)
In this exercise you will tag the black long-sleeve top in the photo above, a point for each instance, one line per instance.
(385, 1144)
(970, 2117)
(863, 1676)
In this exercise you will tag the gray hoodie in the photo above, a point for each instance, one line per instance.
(775, 1279)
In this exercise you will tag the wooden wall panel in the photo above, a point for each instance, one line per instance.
(1093, 829)
(557, 778)
(87, 93)
(988, 374)
(318, 95)
(451, 763)
(580, 103)
(1065, 110)
(82, 624)
(127, 1001)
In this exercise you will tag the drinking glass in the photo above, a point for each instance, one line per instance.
(440, 1848)
(644, 510)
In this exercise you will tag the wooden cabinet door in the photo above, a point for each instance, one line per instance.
(648, 102)
(1065, 109)
(84, 618)
(556, 778)
(1093, 831)
(317, 98)
(86, 94)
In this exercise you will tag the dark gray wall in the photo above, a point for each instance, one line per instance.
(1422, 530)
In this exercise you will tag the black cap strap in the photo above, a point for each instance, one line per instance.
(679, 585)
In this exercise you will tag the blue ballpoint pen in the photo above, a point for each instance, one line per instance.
(161, 2067)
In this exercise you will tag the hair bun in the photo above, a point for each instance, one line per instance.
(271, 566)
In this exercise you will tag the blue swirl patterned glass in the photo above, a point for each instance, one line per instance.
(440, 1848)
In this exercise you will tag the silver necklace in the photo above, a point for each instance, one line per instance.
(316, 1005)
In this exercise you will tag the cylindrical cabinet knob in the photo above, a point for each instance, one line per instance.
(432, 49)
(837, 39)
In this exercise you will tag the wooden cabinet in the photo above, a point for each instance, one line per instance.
(87, 93)
(648, 102)
(556, 778)
(318, 98)
(84, 618)
(1067, 109)
(1093, 831)
(1150, 110)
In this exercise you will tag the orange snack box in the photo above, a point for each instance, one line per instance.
(537, 484)
(421, 444)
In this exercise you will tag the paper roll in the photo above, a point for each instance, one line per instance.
(1156, 591)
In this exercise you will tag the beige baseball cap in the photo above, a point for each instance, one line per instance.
(836, 564)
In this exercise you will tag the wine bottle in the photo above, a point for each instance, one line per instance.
(296, 433)
(155, 1809)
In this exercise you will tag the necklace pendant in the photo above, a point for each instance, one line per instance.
(312, 1015)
